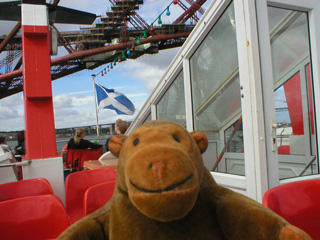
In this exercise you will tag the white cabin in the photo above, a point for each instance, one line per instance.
(255, 60)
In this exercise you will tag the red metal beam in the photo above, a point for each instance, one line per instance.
(86, 53)
(200, 10)
(10, 35)
(120, 46)
(8, 76)
(64, 42)
(190, 12)
(185, 8)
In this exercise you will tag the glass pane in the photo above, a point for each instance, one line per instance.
(234, 137)
(148, 119)
(216, 92)
(289, 40)
(293, 93)
(172, 105)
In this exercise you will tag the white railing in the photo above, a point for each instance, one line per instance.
(17, 164)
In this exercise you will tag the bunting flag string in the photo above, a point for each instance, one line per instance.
(123, 56)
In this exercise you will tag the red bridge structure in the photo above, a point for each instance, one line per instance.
(101, 43)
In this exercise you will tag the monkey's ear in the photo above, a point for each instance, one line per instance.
(115, 144)
(201, 140)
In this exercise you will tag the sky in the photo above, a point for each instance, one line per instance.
(73, 95)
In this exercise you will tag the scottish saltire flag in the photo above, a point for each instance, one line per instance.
(112, 99)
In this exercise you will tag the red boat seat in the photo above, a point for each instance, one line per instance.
(24, 188)
(89, 155)
(98, 195)
(32, 218)
(75, 157)
(298, 203)
(76, 185)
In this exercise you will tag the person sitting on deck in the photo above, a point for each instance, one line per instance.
(5, 146)
(19, 150)
(77, 142)
(121, 127)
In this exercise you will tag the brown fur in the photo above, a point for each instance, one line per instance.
(164, 192)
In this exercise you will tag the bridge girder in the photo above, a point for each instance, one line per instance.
(78, 61)
(90, 48)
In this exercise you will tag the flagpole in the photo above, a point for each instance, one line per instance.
(95, 98)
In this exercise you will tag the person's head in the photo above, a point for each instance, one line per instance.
(79, 134)
(121, 126)
(3, 140)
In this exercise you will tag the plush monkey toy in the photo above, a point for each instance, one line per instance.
(165, 192)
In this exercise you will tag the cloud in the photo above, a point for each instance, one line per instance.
(13, 124)
(136, 95)
(161, 59)
(66, 101)
(83, 101)
(7, 112)
(13, 100)
(150, 77)
(11, 107)
(152, 9)
(149, 69)
(65, 118)
(62, 101)
(12, 113)
(74, 93)
(74, 111)
(75, 120)
(60, 114)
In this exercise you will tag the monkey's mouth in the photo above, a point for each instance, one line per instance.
(167, 189)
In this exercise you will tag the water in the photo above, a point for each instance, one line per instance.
(61, 142)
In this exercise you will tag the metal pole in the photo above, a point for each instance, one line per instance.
(308, 165)
(238, 125)
(96, 104)
(17, 164)
(40, 133)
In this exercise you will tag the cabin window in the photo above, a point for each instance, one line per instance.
(148, 118)
(172, 104)
(216, 93)
(234, 138)
(293, 90)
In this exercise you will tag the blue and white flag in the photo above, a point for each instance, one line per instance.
(112, 99)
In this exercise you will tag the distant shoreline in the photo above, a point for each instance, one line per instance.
(62, 141)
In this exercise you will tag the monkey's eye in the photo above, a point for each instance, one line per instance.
(136, 141)
(175, 137)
